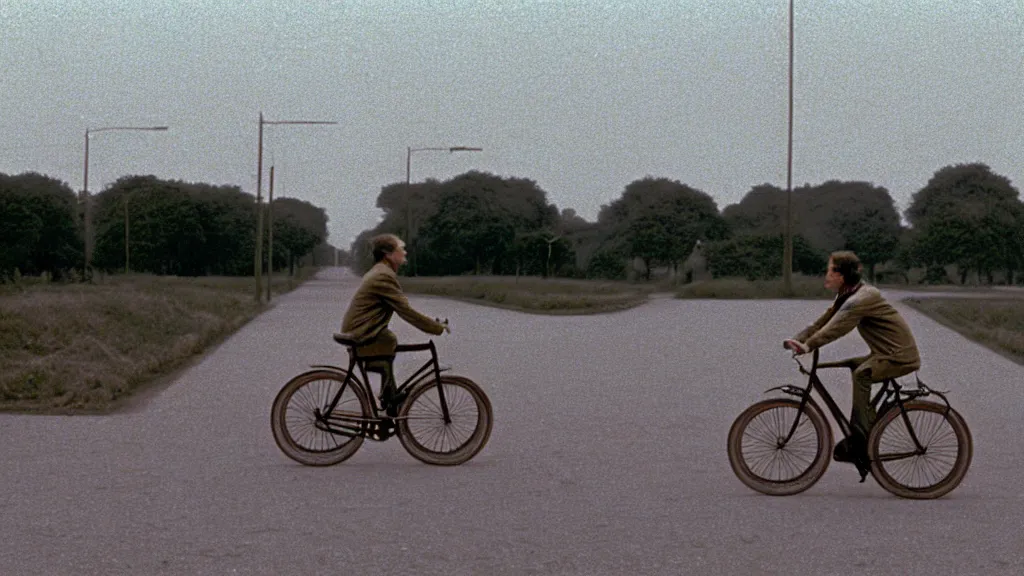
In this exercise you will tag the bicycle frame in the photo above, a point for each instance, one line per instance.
(429, 368)
(890, 396)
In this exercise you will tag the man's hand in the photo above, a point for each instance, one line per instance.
(445, 324)
(796, 346)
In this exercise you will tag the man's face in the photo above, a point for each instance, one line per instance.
(397, 256)
(833, 279)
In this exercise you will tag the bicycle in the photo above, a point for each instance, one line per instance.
(757, 452)
(317, 424)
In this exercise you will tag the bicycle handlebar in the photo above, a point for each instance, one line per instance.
(814, 361)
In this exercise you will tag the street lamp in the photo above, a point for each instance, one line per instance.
(787, 251)
(408, 189)
(258, 256)
(85, 192)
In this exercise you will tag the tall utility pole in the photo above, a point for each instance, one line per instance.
(270, 233)
(787, 253)
(408, 189)
(87, 208)
(258, 256)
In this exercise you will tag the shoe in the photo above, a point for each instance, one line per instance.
(841, 453)
(391, 400)
(851, 449)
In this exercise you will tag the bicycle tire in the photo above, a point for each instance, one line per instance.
(285, 435)
(892, 421)
(416, 409)
(800, 482)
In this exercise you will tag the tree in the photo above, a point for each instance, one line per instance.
(298, 228)
(193, 229)
(833, 215)
(659, 221)
(759, 257)
(968, 216)
(480, 223)
(38, 226)
(868, 222)
(167, 235)
(606, 265)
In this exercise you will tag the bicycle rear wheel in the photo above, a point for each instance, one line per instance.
(761, 457)
(896, 462)
(296, 430)
(428, 438)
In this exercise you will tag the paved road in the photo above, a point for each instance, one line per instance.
(607, 457)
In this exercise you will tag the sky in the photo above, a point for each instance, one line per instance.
(581, 97)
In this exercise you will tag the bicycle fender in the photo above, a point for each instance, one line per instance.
(428, 376)
(800, 393)
(789, 389)
(329, 367)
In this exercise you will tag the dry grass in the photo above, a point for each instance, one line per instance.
(996, 323)
(86, 348)
(804, 287)
(532, 294)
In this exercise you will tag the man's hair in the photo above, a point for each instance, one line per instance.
(846, 263)
(382, 245)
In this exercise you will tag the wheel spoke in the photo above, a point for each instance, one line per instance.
(300, 418)
(919, 471)
(764, 452)
(425, 423)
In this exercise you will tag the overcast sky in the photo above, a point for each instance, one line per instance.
(582, 97)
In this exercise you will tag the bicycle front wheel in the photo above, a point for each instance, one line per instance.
(297, 431)
(904, 470)
(762, 457)
(425, 434)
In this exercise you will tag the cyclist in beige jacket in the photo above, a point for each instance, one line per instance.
(893, 349)
(372, 306)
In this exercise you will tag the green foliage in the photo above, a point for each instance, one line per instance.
(299, 227)
(474, 223)
(606, 265)
(660, 221)
(834, 215)
(970, 217)
(38, 226)
(759, 257)
(194, 229)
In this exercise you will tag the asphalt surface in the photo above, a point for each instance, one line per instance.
(607, 457)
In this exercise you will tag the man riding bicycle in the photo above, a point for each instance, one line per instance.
(893, 348)
(370, 310)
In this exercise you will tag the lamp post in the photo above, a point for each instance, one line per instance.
(408, 187)
(258, 256)
(270, 233)
(787, 251)
(85, 193)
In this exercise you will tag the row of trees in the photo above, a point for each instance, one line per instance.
(476, 222)
(966, 218)
(170, 226)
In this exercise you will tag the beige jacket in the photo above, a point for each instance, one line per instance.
(377, 298)
(880, 325)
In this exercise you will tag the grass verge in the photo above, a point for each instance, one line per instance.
(86, 348)
(532, 294)
(996, 323)
(804, 287)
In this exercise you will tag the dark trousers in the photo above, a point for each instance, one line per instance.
(870, 370)
(382, 351)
